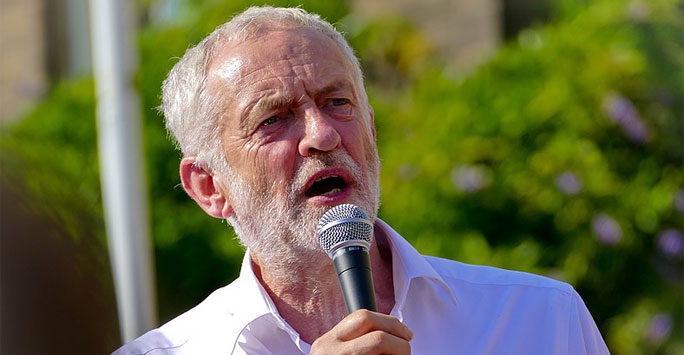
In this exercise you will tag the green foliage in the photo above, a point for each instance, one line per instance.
(52, 152)
(561, 156)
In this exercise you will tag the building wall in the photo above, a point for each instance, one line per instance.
(41, 41)
(23, 77)
(467, 32)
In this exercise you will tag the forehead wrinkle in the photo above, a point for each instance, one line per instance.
(285, 86)
(283, 78)
(247, 74)
(341, 78)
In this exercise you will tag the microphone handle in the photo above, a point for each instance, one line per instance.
(352, 264)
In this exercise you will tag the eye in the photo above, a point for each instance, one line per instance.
(269, 121)
(339, 107)
(274, 122)
(339, 102)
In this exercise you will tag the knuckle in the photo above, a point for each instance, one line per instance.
(315, 347)
(376, 339)
(365, 314)
(362, 316)
(319, 345)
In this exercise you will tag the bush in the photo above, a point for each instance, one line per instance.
(562, 156)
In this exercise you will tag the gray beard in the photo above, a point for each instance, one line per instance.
(280, 231)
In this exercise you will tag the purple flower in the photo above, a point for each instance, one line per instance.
(670, 243)
(569, 183)
(469, 178)
(660, 328)
(606, 229)
(621, 111)
(638, 11)
(679, 201)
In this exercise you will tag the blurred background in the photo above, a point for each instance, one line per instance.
(535, 135)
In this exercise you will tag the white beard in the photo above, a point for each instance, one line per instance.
(281, 230)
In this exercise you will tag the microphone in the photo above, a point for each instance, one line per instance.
(344, 232)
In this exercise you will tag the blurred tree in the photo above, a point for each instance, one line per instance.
(562, 156)
(56, 279)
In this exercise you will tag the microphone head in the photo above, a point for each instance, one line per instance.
(344, 225)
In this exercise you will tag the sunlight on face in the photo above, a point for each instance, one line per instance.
(294, 114)
(229, 69)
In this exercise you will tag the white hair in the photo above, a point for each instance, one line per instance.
(192, 114)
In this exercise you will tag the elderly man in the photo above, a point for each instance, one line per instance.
(272, 117)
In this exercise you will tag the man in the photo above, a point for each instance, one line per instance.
(272, 117)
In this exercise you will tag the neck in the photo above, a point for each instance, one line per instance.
(308, 294)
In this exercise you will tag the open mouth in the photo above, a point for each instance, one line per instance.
(326, 186)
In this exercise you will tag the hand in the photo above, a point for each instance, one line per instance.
(365, 332)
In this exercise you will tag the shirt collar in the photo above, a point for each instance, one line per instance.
(256, 303)
(407, 265)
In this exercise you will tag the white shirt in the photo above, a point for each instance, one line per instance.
(451, 307)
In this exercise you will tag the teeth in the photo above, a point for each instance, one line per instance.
(333, 191)
(324, 177)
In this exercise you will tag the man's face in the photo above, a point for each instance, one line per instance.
(297, 135)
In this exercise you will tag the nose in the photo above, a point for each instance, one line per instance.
(320, 133)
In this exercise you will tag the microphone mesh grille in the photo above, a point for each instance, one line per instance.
(330, 236)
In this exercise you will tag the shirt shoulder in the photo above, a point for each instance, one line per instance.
(529, 302)
(455, 271)
(179, 335)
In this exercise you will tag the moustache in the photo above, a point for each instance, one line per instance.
(313, 164)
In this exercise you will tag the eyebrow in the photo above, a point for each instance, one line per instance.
(267, 104)
(337, 85)
(263, 105)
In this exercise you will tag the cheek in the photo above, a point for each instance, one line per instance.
(357, 141)
(262, 164)
(277, 161)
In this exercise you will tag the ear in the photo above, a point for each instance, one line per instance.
(205, 189)
(371, 114)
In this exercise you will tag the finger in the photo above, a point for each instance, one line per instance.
(377, 342)
(364, 321)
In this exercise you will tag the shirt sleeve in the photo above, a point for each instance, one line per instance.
(584, 336)
(151, 343)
